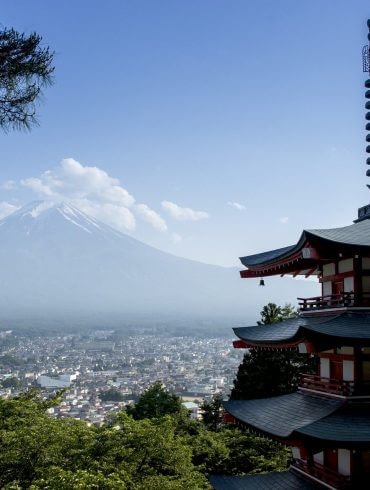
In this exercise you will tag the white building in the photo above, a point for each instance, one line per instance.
(192, 408)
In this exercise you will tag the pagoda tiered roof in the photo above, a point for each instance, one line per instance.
(313, 247)
(300, 414)
(286, 480)
(282, 415)
(340, 328)
(349, 424)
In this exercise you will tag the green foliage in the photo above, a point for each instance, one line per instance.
(31, 442)
(170, 452)
(111, 395)
(272, 313)
(249, 453)
(210, 453)
(212, 412)
(25, 68)
(12, 382)
(155, 402)
(6, 361)
(57, 478)
(37, 451)
(266, 373)
(148, 449)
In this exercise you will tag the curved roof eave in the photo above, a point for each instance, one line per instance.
(357, 235)
(282, 415)
(272, 256)
(350, 424)
(345, 326)
(286, 331)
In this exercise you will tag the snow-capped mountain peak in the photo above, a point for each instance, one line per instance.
(57, 260)
(31, 216)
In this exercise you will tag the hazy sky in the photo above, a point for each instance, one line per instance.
(217, 128)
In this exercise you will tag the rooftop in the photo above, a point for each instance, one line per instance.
(356, 235)
(282, 415)
(305, 415)
(343, 326)
(287, 480)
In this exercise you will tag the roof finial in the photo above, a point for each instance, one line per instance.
(366, 69)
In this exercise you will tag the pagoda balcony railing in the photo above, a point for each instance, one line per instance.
(327, 385)
(334, 301)
(324, 474)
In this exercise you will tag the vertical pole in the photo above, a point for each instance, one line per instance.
(357, 280)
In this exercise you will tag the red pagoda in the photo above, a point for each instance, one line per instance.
(326, 422)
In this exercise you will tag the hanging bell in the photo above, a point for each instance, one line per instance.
(262, 282)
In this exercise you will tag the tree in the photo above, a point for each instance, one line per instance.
(31, 442)
(25, 69)
(266, 373)
(272, 313)
(70, 480)
(212, 412)
(164, 453)
(111, 395)
(155, 402)
(12, 382)
(37, 451)
(249, 453)
(150, 451)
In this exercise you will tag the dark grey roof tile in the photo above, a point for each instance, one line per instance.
(287, 480)
(349, 424)
(345, 326)
(357, 234)
(281, 415)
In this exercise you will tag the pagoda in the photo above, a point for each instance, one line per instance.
(326, 422)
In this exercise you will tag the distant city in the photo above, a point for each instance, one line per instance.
(102, 371)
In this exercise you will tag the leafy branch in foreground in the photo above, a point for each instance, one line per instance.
(26, 67)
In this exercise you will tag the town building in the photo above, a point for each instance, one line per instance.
(193, 409)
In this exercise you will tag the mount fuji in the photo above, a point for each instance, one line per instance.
(58, 262)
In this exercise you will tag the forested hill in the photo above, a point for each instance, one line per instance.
(154, 446)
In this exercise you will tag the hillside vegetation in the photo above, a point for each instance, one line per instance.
(156, 446)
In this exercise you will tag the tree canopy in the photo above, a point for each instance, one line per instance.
(212, 412)
(170, 452)
(155, 402)
(26, 67)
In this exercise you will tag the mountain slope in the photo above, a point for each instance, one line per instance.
(56, 260)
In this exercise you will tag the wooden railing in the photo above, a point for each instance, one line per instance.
(327, 385)
(334, 301)
(324, 474)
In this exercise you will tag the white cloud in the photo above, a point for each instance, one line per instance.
(95, 192)
(236, 205)
(183, 214)
(7, 208)
(176, 238)
(284, 220)
(151, 217)
(8, 185)
(38, 186)
(118, 217)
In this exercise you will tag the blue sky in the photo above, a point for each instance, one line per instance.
(198, 104)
